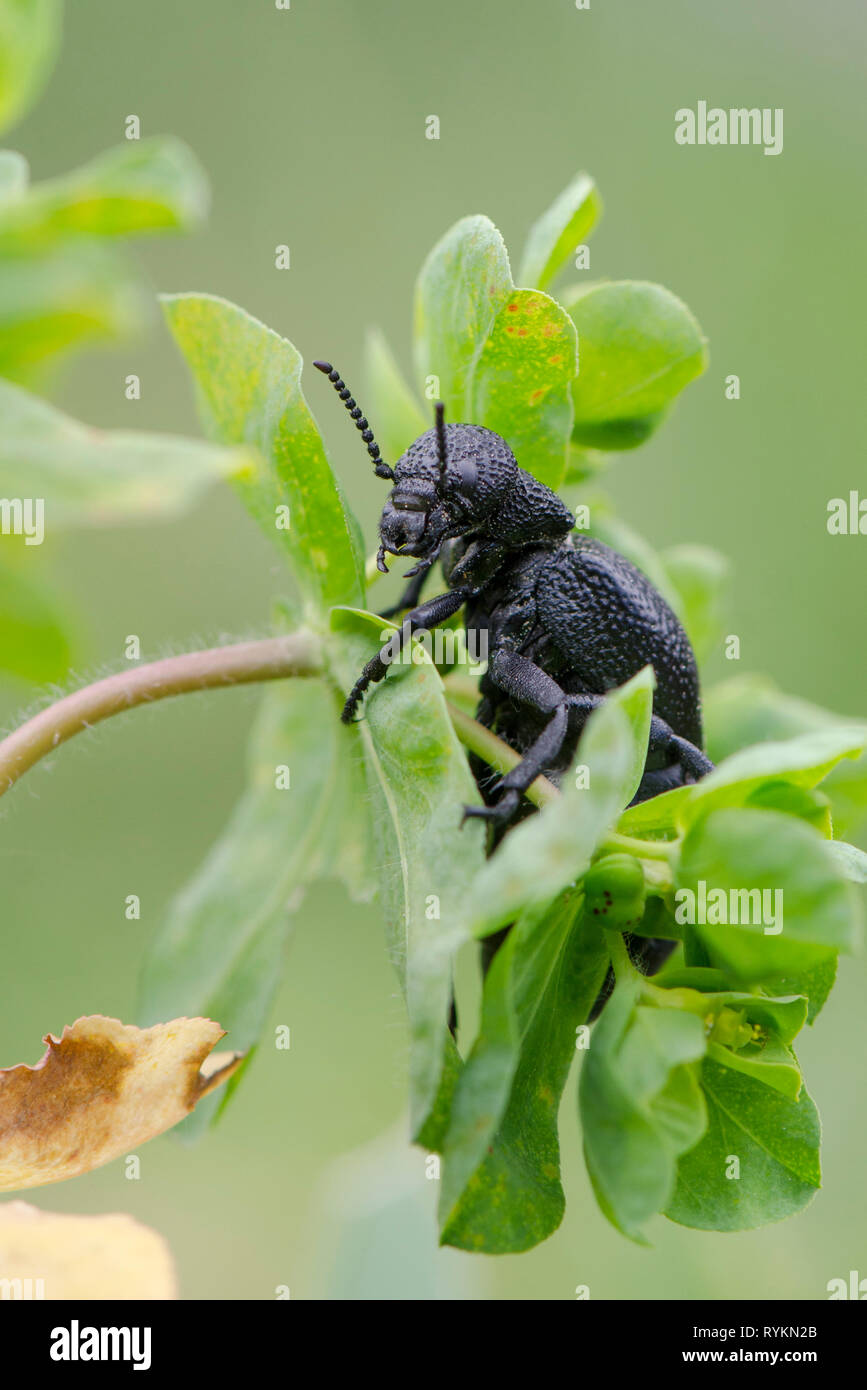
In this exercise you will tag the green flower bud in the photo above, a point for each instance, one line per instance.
(614, 891)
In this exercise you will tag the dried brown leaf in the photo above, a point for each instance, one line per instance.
(102, 1088)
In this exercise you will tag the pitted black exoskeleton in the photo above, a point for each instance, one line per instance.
(564, 617)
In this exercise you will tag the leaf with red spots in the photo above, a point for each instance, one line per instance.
(501, 357)
(522, 379)
(103, 1088)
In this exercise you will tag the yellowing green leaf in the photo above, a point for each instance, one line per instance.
(521, 380)
(248, 386)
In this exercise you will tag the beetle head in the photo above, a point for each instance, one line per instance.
(445, 485)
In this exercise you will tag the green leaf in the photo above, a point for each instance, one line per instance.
(804, 903)
(136, 187)
(656, 817)
(700, 576)
(546, 852)
(420, 781)
(503, 358)
(815, 983)
(29, 40)
(554, 237)
(846, 789)
(521, 379)
(776, 1143)
(86, 476)
(803, 761)
(851, 859)
(220, 951)
(775, 1066)
(34, 631)
(463, 284)
(641, 1105)
(501, 1189)
(749, 709)
(639, 347)
(396, 416)
(248, 383)
(74, 294)
(60, 286)
(780, 795)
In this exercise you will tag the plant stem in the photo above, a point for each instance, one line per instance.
(502, 758)
(462, 687)
(273, 658)
(644, 849)
(623, 967)
(497, 754)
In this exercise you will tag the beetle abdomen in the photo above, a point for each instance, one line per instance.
(606, 621)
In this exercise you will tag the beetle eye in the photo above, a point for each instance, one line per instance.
(410, 504)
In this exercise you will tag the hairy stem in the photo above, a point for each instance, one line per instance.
(273, 658)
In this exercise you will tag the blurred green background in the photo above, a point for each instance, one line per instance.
(310, 123)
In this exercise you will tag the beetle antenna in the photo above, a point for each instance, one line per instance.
(380, 467)
(440, 412)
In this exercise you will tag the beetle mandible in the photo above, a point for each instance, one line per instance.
(565, 618)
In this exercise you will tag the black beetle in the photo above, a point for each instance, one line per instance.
(565, 617)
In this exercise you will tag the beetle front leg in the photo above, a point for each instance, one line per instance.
(428, 615)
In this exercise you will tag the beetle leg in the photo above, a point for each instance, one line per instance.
(692, 760)
(524, 680)
(428, 615)
(479, 564)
